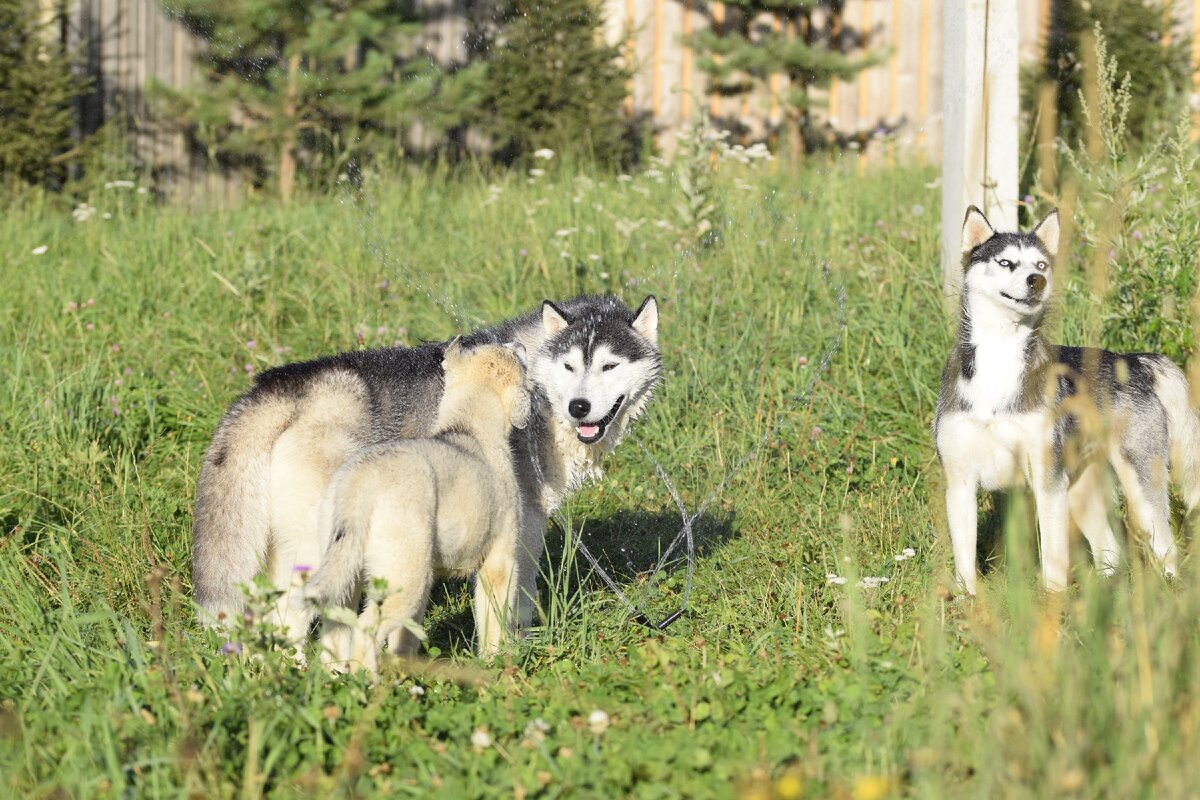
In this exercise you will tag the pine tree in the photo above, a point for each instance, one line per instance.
(37, 87)
(744, 57)
(1140, 37)
(553, 83)
(292, 82)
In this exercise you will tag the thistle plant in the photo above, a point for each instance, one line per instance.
(1138, 219)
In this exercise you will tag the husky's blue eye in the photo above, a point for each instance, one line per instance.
(1042, 265)
(1004, 262)
(607, 367)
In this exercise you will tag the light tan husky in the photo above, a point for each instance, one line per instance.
(410, 510)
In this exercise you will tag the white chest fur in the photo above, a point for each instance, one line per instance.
(987, 442)
(995, 451)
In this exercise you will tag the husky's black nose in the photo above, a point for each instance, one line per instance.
(1035, 282)
(579, 408)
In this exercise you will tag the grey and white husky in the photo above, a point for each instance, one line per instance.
(593, 367)
(1015, 409)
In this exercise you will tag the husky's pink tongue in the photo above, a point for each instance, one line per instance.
(588, 431)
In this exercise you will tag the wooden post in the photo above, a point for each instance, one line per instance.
(656, 77)
(980, 108)
(835, 39)
(922, 73)
(893, 78)
(774, 80)
(287, 154)
(718, 25)
(861, 81)
(630, 52)
(685, 97)
(1195, 74)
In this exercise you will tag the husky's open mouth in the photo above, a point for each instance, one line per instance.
(592, 432)
(1025, 301)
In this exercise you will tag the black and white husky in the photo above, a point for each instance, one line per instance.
(1015, 409)
(593, 366)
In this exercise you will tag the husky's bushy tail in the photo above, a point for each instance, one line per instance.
(1183, 430)
(232, 522)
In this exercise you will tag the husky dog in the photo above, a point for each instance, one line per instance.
(1016, 409)
(593, 366)
(446, 505)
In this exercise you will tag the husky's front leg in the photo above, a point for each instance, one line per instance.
(530, 544)
(1054, 514)
(496, 597)
(962, 511)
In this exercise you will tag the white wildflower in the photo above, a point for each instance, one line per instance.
(598, 722)
(623, 178)
(909, 552)
(537, 173)
(563, 233)
(627, 226)
(143, 190)
(833, 579)
(873, 582)
(537, 729)
(416, 691)
(593, 257)
(545, 154)
(83, 212)
(494, 192)
(39, 250)
(565, 253)
(120, 185)
(481, 739)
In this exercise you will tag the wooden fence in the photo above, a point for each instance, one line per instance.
(129, 42)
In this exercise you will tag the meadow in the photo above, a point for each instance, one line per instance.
(822, 653)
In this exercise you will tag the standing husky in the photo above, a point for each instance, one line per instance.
(447, 505)
(1015, 409)
(593, 366)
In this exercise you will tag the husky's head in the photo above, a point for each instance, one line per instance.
(598, 366)
(498, 368)
(1012, 271)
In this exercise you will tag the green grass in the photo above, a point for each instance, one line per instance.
(774, 682)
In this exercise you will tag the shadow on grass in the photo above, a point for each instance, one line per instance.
(628, 546)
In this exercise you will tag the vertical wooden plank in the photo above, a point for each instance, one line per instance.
(717, 10)
(773, 81)
(656, 64)
(630, 53)
(1195, 67)
(835, 88)
(923, 76)
(863, 81)
(893, 96)
(178, 146)
(685, 97)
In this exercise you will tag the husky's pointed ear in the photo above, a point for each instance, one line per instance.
(1047, 233)
(976, 230)
(518, 350)
(554, 321)
(453, 350)
(645, 321)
